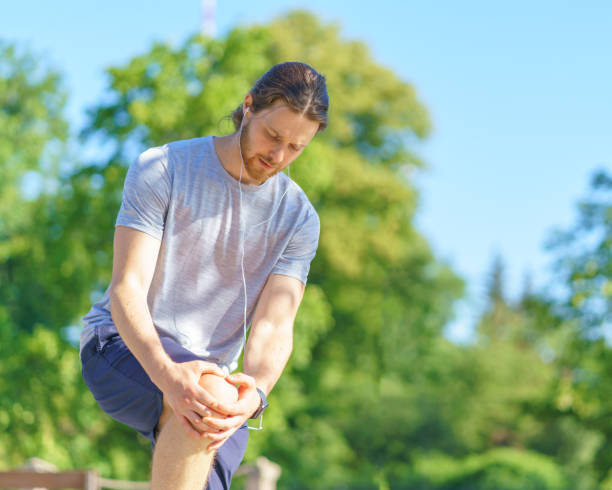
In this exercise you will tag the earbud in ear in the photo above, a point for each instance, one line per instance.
(246, 110)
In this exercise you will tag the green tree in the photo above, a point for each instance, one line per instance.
(487, 414)
(584, 260)
(45, 408)
(32, 134)
(583, 302)
(377, 294)
(522, 342)
(540, 366)
(47, 412)
(377, 298)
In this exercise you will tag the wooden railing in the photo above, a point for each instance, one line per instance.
(38, 474)
(83, 480)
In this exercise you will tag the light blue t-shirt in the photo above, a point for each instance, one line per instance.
(181, 194)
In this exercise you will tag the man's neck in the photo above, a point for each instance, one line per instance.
(229, 155)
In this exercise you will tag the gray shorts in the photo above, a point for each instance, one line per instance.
(124, 391)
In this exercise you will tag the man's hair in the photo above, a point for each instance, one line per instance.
(297, 85)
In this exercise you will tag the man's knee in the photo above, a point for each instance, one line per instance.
(218, 387)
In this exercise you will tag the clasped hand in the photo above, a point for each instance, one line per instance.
(225, 419)
(200, 412)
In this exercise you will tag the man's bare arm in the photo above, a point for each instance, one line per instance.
(134, 258)
(134, 261)
(271, 339)
(266, 353)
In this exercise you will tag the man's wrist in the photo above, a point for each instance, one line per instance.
(263, 404)
(159, 371)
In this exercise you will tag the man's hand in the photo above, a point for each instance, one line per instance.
(228, 419)
(190, 402)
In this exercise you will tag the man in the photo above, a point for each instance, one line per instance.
(210, 238)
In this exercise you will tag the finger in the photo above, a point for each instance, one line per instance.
(196, 421)
(221, 409)
(220, 437)
(191, 432)
(211, 368)
(199, 429)
(247, 402)
(215, 415)
(205, 430)
(205, 400)
(199, 408)
(214, 446)
(199, 424)
(241, 379)
(246, 388)
(224, 423)
(238, 409)
(217, 444)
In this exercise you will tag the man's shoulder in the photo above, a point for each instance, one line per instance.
(187, 157)
(293, 189)
(176, 150)
(299, 197)
(189, 145)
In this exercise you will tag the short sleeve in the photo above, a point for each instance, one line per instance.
(146, 193)
(301, 249)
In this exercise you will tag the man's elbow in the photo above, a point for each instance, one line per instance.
(124, 292)
(275, 334)
(125, 287)
(277, 329)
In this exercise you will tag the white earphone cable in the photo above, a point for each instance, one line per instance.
(243, 234)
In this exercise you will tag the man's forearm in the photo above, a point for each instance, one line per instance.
(267, 352)
(133, 321)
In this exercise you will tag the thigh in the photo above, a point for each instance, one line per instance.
(121, 386)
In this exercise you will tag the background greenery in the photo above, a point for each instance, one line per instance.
(374, 395)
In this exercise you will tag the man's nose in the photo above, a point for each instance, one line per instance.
(276, 154)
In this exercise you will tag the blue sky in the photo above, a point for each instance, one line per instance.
(519, 94)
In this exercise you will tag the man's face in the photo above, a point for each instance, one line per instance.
(273, 138)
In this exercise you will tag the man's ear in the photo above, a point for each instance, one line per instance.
(246, 104)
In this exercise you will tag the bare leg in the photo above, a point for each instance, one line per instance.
(180, 462)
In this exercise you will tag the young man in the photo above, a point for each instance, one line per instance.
(210, 238)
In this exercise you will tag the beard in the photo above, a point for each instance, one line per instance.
(252, 167)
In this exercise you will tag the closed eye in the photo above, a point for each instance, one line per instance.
(277, 138)
(274, 137)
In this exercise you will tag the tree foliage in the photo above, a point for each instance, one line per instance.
(374, 282)
(374, 395)
(32, 132)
